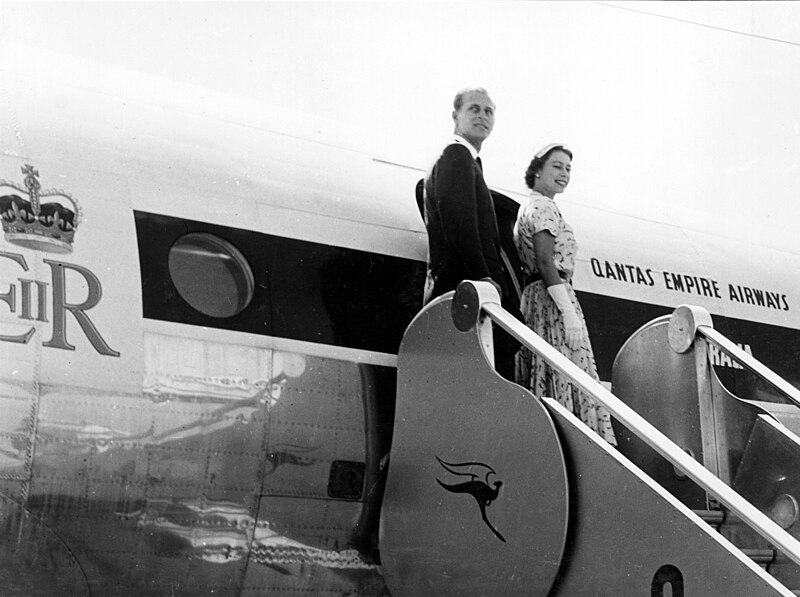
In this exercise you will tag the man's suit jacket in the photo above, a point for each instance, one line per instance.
(463, 239)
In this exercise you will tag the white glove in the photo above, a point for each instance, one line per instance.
(573, 328)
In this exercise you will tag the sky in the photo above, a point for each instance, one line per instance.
(676, 111)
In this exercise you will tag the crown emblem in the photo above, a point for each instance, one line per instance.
(32, 224)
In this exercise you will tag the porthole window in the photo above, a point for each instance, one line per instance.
(211, 274)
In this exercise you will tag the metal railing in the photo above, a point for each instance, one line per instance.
(485, 296)
(750, 363)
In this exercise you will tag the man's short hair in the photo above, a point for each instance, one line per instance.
(458, 101)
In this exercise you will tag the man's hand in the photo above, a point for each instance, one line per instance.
(493, 283)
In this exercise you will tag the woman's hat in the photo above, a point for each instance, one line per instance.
(547, 148)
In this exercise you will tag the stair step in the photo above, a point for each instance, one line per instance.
(711, 517)
(762, 557)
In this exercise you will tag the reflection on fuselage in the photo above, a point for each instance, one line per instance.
(221, 532)
(229, 454)
(183, 377)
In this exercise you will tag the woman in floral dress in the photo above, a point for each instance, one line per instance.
(546, 244)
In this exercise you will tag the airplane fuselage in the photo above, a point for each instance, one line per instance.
(198, 389)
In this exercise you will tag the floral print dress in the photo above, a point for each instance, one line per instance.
(543, 317)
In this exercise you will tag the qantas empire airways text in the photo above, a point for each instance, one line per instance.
(689, 284)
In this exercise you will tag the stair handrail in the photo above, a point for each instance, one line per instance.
(473, 298)
(750, 363)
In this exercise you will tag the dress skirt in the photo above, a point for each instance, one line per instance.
(533, 372)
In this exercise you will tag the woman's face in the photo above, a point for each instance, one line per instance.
(554, 175)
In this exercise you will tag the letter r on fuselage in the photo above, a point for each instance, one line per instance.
(61, 306)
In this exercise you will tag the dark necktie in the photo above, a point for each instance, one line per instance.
(480, 164)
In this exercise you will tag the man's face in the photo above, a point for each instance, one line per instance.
(475, 119)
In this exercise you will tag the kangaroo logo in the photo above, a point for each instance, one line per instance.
(480, 490)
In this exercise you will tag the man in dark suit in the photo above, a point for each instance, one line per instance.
(463, 238)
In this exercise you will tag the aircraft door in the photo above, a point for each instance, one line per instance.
(318, 510)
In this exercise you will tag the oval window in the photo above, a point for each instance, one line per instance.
(211, 274)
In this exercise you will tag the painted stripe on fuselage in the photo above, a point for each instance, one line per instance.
(303, 291)
(355, 305)
(327, 351)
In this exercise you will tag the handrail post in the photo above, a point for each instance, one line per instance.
(689, 320)
(682, 336)
(467, 313)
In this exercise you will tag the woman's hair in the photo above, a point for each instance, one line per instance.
(539, 160)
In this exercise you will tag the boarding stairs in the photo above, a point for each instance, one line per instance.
(748, 441)
(491, 491)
